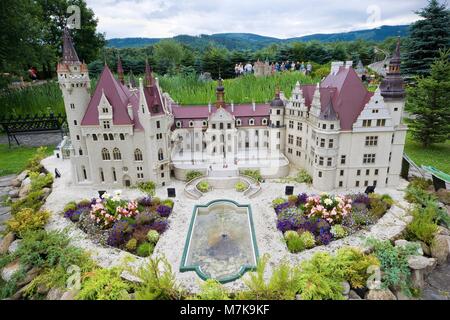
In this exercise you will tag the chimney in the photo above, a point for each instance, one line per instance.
(209, 107)
(232, 106)
(254, 106)
(335, 65)
(130, 112)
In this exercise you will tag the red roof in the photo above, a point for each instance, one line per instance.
(118, 96)
(202, 112)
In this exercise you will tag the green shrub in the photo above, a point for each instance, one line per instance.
(353, 264)
(282, 285)
(145, 249)
(418, 196)
(338, 231)
(168, 203)
(212, 290)
(240, 186)
(292, 198)
(147, 187)
(420, 183)
(303, 177)
(378, 207)
(34, 163)
(153, 236)
(131, 245)
(293, 242)
(319, 279)
(158, 281)
(278, 201)
(423, 226)
(394, 264)
(39, 182)
(70, 206)
(27, 220)
(192, 174)
(156, 201)
(34, 200)
(203, 186)
(255, 174)
(308, 239)
(104, 284)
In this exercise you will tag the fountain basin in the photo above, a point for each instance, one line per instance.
(221, 242)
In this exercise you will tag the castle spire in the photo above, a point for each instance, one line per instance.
(120, 70)
(69, 54)
(220, 94)
(392, 85)
(148, 74)
(132, 80)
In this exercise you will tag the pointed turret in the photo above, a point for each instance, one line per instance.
(120, 70)
(277, 102)
(392, 85)
(148, 75)
(69, 54)
(132, 80)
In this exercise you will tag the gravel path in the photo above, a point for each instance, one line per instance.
(34, 139)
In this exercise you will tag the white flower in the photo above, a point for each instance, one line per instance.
(106, 195)
(118, 192)
(115, 198)
(328, 202)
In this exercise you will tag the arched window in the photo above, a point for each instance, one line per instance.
(160, 155)
(251, 122)
(80, 152)
(83, 168)
(94, 136)
(116, 154)
(114, 174)
(138, 155)
(105, 154)
(111, 137)
(122, 136)
(102, 175)
(105, 137)
(213, 138)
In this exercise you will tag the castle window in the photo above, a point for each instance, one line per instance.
(332, 126)
(94, 137)
(343, 158)
(213, 138)
(75, 122)
(290, 139)
(320, 174)
(320, 161)
(395, 109)
(371, 141)
(105, 154)
(105, 110)
(367, 123)
(324, 126)
(105, 137)
(191, 124)
(381, 122)
(369, 158)
(102, 175)
(238, 122)
(357, 184)
(299, 141)
(111, 137)
(138, 155)
(341, 183)
(78, 137)
(291, 124)
(106, 124)
(278, 111)
(72, 106)
(358, 172)
(376, 172)
(122, 136)
(83, 168)
(158, 124)
(160, 155)
(228, 125)
(80, 152)
(341, 173)
(204, 123)
(251, 122)
(330, 143)
(221, 126)
(264, 122)
(322, 143)
(299, 126)
(116, 154)
(375, 110)
(178, 124)
(329, 162)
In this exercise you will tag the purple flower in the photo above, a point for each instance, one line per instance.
(324, 237)
(119, 234)
(164, 211)
(279, 208)
(145, 201)
(68, 214)
(284, 225)
(302, 198)
(160, 225)
(85, 204)
(361, 198)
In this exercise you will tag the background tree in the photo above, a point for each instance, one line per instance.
(427, 36)
(429, 103)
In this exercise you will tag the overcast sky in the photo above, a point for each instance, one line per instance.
(277, 18)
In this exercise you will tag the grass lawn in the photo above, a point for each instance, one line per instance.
(15, 159)
(437, 155)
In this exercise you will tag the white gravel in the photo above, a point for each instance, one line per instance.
(171, 243)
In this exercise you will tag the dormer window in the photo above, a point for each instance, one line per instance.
(178, 124)
(238, 122)
(191, 124)
(204, 123)
(264, 121)
(106, 125)
(105, 110)
(251, 122)
(375, 110)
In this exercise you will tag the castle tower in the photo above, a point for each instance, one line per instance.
(392, 87)
(220, 94)
(277, 129)
(73, 78)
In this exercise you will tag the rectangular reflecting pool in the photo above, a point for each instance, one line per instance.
(221, 242)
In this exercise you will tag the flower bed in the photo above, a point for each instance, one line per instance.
(134, 226)
(310, 220)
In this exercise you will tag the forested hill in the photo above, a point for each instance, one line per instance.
(250, 41)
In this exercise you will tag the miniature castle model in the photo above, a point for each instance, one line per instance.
(343, 135)
(262, 69)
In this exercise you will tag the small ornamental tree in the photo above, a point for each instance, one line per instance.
(429, 103)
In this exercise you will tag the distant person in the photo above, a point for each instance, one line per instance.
(32, 72)
(308, 68)
(248, 68)
(236, 70)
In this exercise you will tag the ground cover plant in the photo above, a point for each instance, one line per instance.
(310, 220)
(134, 226)
(14, 160)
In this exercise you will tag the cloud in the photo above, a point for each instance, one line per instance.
(281, 19)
